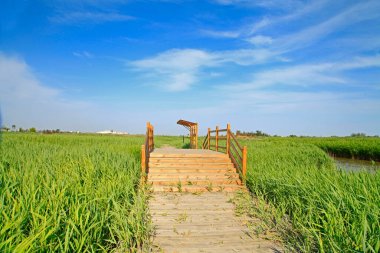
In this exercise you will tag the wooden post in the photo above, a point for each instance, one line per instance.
(143, 162)
(196, 136)
(244, 162)
(208, 138)
(148, 134)
(228, 139)
(216, 138)
(152, 139)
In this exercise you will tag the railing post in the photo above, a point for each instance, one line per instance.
(244, 162)
(228, 139)
(208, 138)
(216, 138)
(196, 136)
(143, 162)
(152, 138)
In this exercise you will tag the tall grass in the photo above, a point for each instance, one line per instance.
(71, 193)
(365, 148)
(330, 210)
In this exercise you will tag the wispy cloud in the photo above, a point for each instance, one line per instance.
(307, 75)
(294, 11)
(260, 40)
(92, 17)
(308, 36)
(272, 4)
(220, 34)
(27, 102)
(18, 81)
(178, 69)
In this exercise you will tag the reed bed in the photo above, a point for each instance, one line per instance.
(364, 148)
(329, 210)
(71, 193)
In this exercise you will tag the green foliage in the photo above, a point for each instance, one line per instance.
(366, 148)
(258, 133)
(173, 141)
(330, 210)
(71, 193)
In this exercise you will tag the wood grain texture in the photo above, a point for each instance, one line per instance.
(204, 222)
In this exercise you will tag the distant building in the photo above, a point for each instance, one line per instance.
(111, 132)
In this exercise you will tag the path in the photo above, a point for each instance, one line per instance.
(200, 217)
(205, 222)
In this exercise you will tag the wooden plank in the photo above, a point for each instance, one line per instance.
(201, 223)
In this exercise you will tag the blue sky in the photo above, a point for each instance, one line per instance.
(283, 67)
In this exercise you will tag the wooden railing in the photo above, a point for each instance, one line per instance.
(147, 148)
(224, 140)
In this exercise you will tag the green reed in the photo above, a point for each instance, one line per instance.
(71, 193)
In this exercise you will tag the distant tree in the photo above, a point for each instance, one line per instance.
(13, 127)
(253, 134)
(20, 129)
(358, 135)
(32, 130)
(292, 135)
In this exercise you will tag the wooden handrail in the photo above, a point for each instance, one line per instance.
(235, 151)
(147, 148)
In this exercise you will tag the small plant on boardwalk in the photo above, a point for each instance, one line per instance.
(182, 217)
(179, 186)
(209, 187)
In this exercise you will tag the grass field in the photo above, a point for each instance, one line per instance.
(329, 210)
(77, 193)
(71, 193)
(365, 148)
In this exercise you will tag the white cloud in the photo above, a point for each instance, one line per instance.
(18, 82)
(175, 70)
(178, 69)
(271, 4)
(221, 34)
(306, 75)
(260, 40)
(85, 17)
(355, 14)
(26, 102)
(334, 20)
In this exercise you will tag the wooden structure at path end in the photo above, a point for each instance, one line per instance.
(193, 128)
(221, 162)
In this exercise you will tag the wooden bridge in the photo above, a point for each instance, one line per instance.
(192, 188)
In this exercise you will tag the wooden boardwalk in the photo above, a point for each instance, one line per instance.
(186, 222)
(191, 208)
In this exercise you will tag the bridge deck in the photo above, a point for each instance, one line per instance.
(201, 222)
(171, 150)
